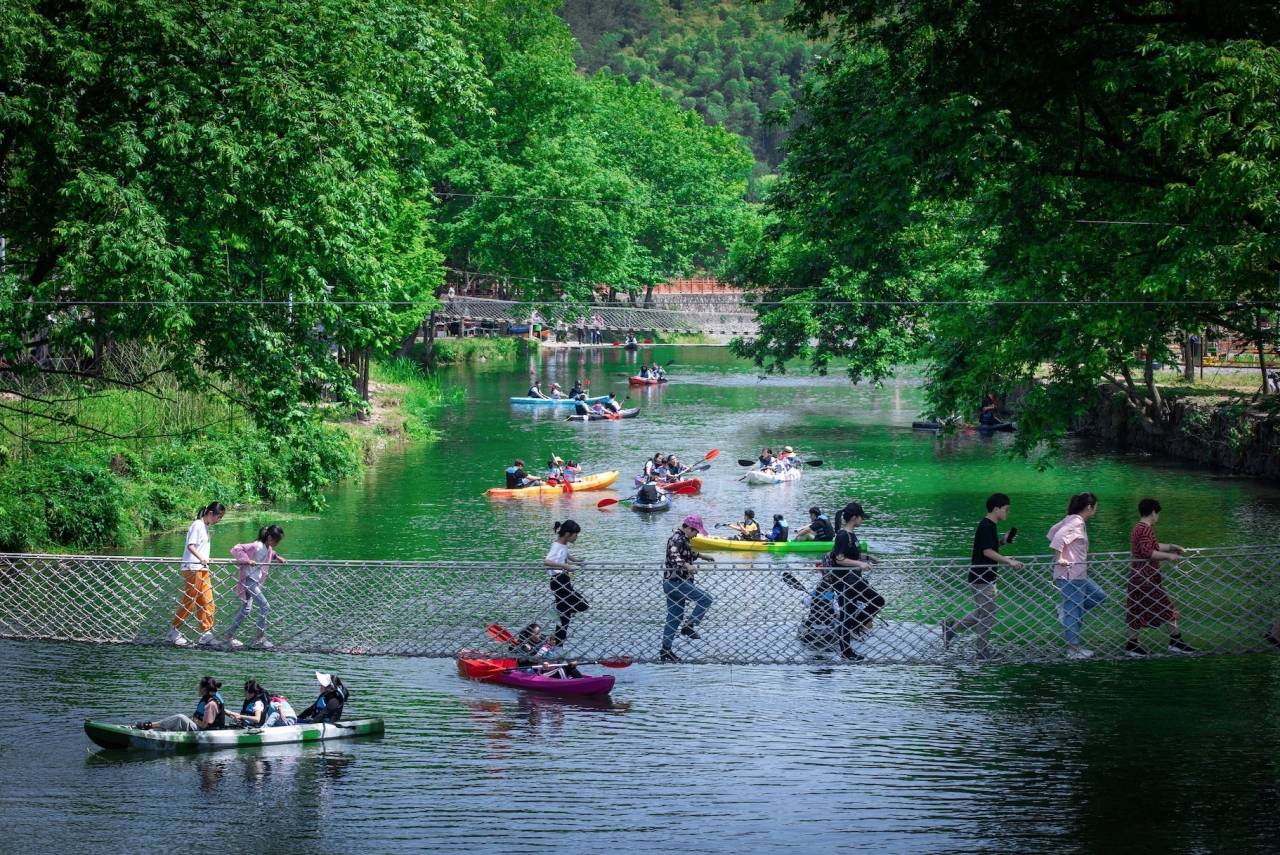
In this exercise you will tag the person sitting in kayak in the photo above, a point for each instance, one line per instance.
(779, 532)
(557, 394)
(748, 529)
(579, 390)
(654, 467)
(599, 409)
(572, 471)
(253, 712)
(555, 470)
(644, 372)
(327, 707)
(280, 712)
(819, 527)
(658, 372)
(530, 647)
(785, 460)
(649, 494)
(580, 407)
(517, 477)
(612, 404)
(766, 458)
(987, 415)
(210, 712)
(535, 391)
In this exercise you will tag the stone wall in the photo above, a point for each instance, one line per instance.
(1231, 436)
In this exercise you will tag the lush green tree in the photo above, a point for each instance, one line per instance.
(1072, 182)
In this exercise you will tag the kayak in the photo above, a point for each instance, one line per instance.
(663, 504)
(998, 427)
(757, 476)
(645, 381)
(810, 547)
(504, 672)
(624, 414)
(667, 484)
(555, 402)
(598, 481)
(124, 736)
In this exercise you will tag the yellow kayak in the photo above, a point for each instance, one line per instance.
(598, 481)
(804, 547)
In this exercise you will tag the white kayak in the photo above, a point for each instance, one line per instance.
(758, 476)
(125, 737)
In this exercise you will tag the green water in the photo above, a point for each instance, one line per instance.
(1165, 755)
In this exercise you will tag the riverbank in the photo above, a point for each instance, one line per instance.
(90, 489)
(1228, 433)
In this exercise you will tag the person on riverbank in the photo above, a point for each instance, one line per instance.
(254, 562)
(678, 586)
(819, 527)
(857, 602)
(197, 587)
(1146, 602)
(254, 709)
(328, 706)
(560, 565)
(580, 327)
(535, 391)
(1069, 539)
(748, 529)
(597, 329)
(210, 712)
(982, 578)
(778, 534)
(517, 477)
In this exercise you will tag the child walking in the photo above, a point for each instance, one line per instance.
(254, 560)
(1069, 540)
(559, 564)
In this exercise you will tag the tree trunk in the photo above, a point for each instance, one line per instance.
(1189, 357)
(1262, 353)
(430, 339)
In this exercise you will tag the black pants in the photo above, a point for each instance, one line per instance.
(581, 335)
(857, 601)
(568, 603)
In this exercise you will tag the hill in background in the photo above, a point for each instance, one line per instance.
(733, 62)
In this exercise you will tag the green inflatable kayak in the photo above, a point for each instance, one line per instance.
(799, 547)
(124, 737)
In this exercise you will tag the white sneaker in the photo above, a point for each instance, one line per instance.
(234, 643)
(206, 638)
(176, 638)
(262, 642)
(1080, 653)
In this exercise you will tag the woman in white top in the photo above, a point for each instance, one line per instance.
(559, 563)
(253, 573)
(197, 590)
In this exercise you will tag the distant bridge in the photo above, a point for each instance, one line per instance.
(720, 314)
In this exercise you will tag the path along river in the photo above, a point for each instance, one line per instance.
(1167, 754)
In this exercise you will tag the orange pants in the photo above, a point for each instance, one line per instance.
(197, 593)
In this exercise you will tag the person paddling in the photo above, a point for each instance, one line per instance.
(529, 648)
(197, 589)
(678, 586)
(580, 407)
(210, 712)
(254, 561)
(766, 459)
(517, 477)
(535, 391)
(560, 564)
(654, 468)
(557, 394)
(982, 578)
(748, 529)
(612, 404)
(328, 706)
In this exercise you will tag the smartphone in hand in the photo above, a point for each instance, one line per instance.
(1012, 533)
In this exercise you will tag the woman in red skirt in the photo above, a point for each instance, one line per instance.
(1147, 602)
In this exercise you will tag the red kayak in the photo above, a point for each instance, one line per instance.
(645, 381)
(504, 671)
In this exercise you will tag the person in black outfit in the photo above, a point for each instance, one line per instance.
(982, 578)
(856, 600)
(327, 707)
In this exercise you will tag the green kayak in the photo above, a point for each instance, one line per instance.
(800, 547)
(124, 737)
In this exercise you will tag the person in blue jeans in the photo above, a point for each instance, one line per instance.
(1069, 540)
(679, 588)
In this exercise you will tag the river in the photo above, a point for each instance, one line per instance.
(1166, 754)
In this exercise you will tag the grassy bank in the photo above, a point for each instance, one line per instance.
(455, 351)
(70, 483)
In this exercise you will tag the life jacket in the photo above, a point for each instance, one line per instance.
(535, 392)
(331, 702)
(247, 707)
(580, 408)
(221, 719)
(751, 530)
(512, 480)
(779, 533)
(613, 406)
(649, 494)
(822, 529)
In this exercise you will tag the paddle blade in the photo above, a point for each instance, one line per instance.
(499, 634)
(568, 488)
(742, 461)
(620, 662)
(813, 463)
(712, 454)
(793, 582)
(606, 503)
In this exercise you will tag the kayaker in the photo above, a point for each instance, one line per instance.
(579, 390)
(649, 494)
(748, 529)
(644, 372)
(987, 415)
(612, 404)
(856, 601)
(560, 564)
(659, 373)
(197, 588)
(253, 561)
(785, 460)
(280, 712)
(572, 471)
(653, 465)
(557, 394)
(555, 470)
(766, 458)
(517, 477)
(675, 468)
(253, 712)
(210, 712)
(982, 578)
(598, 408)
(530, 647)
(678, 586)
(535, 391)
(328, 706)
(580, 407)
(779, 532)
(819, 527)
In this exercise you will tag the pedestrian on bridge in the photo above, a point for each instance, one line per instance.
(1069, 540)
(197, 588)
(679, 588)
(982, 578)
(1147, 603)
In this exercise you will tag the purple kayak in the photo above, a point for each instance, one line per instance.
(500, 671)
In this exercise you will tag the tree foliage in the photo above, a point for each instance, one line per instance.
(1050, 188)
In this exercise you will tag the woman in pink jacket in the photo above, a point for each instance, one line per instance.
(1070, 542)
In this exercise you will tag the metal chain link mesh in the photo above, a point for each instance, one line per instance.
(726, 315)
(1227, 600)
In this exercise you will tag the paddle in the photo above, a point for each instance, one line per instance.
(502, 635)
(607, 503)
(742, 461)
(793, 582)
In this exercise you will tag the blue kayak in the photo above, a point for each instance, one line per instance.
(555, 402)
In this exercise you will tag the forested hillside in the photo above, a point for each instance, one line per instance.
(731, 61)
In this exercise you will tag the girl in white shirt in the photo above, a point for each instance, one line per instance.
(559, 563)
(197, 589)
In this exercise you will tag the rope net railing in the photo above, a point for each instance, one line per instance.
(1227, 599)
(728, 316)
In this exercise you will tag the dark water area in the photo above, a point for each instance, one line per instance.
(1166, 755)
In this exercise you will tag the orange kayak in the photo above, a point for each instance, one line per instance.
(599, 481)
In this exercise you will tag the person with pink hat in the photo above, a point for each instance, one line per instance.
(679, 587)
